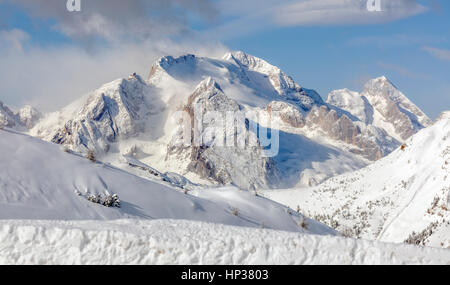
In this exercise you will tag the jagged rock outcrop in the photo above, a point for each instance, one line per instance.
(119, 109)
(244, 166)
(7, 117)
(371, 142)
(288, 113)
(29, 116)
(24, 119)
(382, 105)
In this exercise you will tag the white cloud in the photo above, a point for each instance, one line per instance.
(442, 54)
(117, 20)
(110, 39)
(245, 17)
(13, 39)
(51, 77)
(344, 12)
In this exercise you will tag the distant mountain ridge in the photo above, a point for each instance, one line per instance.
(382, 105)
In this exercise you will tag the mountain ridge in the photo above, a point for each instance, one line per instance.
(136, 114)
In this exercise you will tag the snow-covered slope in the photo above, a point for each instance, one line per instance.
(39, 180)
(184, 242)
(382, 105)
(403, 197)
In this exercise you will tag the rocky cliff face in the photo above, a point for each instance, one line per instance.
(366, 140)
(382, 105)
(24, 119)
(119, 109)
(7, 117)
(288, 113)
(209, 154)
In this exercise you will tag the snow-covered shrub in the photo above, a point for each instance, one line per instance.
(111, 201)
(303, 223)
(347, 232)
(91, 156)
(422, 237)
(235, 211)
(107, 201)
(95, 198)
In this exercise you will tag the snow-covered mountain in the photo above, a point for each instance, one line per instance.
(382, 105)
(402, 197)
(40, 180)
(136, 118)
(25, 118)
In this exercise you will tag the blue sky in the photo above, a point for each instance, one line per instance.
(327, 58)
(324, 45)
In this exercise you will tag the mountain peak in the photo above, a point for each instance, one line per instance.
(253, 63)
(169, 60)
(26, 117)
(7, 118)
(444, 116)
(235, 54)
(166, 62)
(382, 78)
(401, 116)
(29, 116)
(208, 83)
(380, 82)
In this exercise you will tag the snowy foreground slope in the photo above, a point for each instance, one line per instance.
(404, 197)
(38, 180)
(185, 242)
